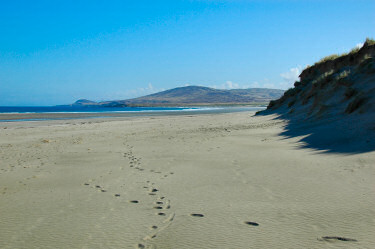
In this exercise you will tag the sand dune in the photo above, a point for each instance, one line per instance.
(193, 181)
(332, 107)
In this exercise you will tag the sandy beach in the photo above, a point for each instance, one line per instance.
(185, 181)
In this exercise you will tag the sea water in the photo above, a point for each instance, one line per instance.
(13, 113)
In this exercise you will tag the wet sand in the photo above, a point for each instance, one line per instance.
(188, 181)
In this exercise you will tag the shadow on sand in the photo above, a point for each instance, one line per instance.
(343, 134)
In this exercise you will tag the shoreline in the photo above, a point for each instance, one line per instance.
(20, 117)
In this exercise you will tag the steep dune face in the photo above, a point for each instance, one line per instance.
(332, 107)
(341, 86)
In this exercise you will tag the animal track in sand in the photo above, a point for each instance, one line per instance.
(157, 229)
(170, 218)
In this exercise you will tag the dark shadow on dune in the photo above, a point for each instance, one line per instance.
(343, 135)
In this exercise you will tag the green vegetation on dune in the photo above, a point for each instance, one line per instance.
(368, 42)
(327, 58)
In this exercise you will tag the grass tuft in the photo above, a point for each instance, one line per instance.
(369, 41)
(328, 58)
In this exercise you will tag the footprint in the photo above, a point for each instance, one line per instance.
(117, 195)
(141, 246)
(158, 207)
(197, 215)
(251, 223)
(134, 201)
(329, 238)
(161, 214)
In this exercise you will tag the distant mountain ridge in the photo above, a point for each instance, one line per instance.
(195, 95)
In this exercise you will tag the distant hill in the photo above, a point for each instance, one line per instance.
(196, 95)
(85, 102)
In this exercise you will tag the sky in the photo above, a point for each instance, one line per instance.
(56, 52)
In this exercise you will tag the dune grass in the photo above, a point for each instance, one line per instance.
(368, 42)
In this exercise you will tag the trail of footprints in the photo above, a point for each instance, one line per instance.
(161, 206)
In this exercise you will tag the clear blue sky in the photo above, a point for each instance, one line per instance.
(55, 52)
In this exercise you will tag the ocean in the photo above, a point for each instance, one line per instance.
(83, 109)
(39, 113)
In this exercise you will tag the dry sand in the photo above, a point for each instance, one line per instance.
(135, 183)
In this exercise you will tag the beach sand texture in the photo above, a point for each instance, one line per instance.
(192, 181)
